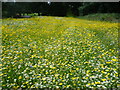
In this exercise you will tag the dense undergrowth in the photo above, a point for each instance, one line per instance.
(107, 17)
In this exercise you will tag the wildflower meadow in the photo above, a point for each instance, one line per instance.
(59, 52)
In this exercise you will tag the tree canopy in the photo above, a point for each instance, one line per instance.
(10, 9)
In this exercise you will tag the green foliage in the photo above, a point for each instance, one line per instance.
(59, 8)
(108, 17)
(98, 7)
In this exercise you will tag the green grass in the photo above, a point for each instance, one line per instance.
(59, 52)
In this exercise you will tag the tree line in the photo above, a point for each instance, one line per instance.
(10, 9)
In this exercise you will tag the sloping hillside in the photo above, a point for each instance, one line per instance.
(59, 52)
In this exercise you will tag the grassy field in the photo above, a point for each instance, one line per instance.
(59, 52)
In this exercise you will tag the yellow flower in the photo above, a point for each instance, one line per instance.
(38, 76)
(86, 62)
(97, 82)
(73, 78)
(108, 62)
(74, 84)
(21, 60)
(114, 60)
(41, 56)
(52, 67)
(1, 74)
(118, 85)
(46, 72)
(86, 77)
(43, 78)
(88, 71)
(33, 56)
(0, 64)
(26, 82)
(68, 86)
(32, 86)
(56, 75)
(35, 66)
(15, 87)
(88, 84)
(53, 80)
(102, 72)
(20, 77)
(60, 83)
(77, 68)
(103, 79)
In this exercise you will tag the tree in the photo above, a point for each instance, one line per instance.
(8, 9)
(98, 7)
